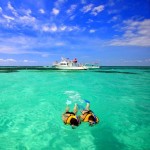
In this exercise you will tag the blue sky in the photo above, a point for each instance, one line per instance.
(39, 32)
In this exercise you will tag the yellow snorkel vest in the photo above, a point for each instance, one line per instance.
(86, 119)
(69, 118)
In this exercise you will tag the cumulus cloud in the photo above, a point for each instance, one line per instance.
(72, 17)
(15, 19)
(92, 31)
(53, 28)
(90, 21)
(8, 18)
(59, 3)
(7, 60)
(71, 9)
(42, 11)
(27, 20)
(24, 19)
(28, 12)
(1, 10)
(97, 9)
(10, 7)
(55, 11)
(47, 28)
(73, 28)
(10, 61)
(63, 28)
(87, 8)
(29, 61)
(135, 33)
(94, 10)
(113, 19)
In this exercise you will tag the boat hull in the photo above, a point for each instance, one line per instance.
(93, 67)
(70, 68)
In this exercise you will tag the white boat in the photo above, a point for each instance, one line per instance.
(92, 66)
(66, 64)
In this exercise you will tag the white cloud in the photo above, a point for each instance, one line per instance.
(28, 12)
(29, 61)
(25, 12)
(63, 28)
(72, 17)
(10, 7)
(42, 11)
(97, 9)
(92, 31)
(8, 18)
(53, 28)
(90, 21)
(135, 33)
(1, 10)
(59, 3)
(71, 9)
(47, 28)
(73, 28)
(87, 8)
(55, 11)
(18, 21)
(92, 9)
(27, 19)
(69, 28)
(113, 19)
(8, 60)
(12, 62)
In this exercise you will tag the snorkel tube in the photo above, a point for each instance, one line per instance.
(87, 101)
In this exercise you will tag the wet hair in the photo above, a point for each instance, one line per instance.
(74, 122)
(92, 118)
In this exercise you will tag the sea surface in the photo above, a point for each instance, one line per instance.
(32, 102)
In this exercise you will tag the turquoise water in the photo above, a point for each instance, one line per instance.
(32, 102)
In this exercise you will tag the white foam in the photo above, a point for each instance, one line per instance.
(74, 97)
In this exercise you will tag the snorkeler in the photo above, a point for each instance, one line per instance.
(70, 117)
(88, 116)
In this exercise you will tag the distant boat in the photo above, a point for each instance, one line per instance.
(92, 66)
(66, 64)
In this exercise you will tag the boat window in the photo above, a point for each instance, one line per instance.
(63, 64)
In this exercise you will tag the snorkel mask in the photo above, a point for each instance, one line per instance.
(92, 123)
(73, 127)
